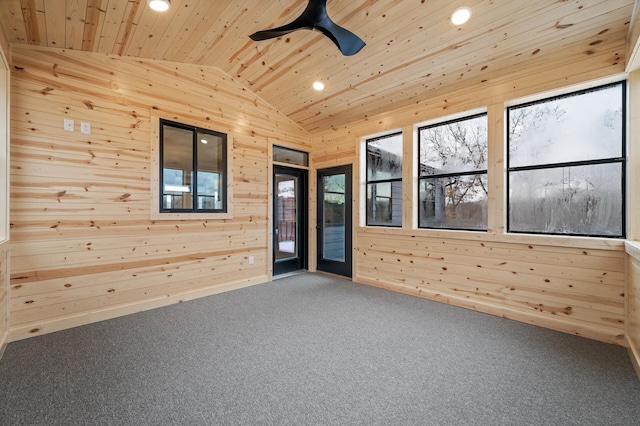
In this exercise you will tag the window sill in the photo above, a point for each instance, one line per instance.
(633, 249)
(191, 216)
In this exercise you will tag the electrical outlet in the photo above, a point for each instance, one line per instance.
(85, 128)
(68, 125)
(250, 260)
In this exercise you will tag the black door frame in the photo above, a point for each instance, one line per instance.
(301, 261)
(328, 265)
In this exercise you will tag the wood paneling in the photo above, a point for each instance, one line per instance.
(83, 245)
(633, 40)
(564, 288)
(633, 154)
(412, 49)
(575, 285)
(4, 191)
(633, 223)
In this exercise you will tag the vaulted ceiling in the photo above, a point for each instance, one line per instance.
(412, 50)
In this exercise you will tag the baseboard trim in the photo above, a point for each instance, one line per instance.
(594, 332)
(38, 328)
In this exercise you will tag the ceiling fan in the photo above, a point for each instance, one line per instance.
(315, 17)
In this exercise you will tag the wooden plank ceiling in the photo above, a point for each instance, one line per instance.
(412, 52)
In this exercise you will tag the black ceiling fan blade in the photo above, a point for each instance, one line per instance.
(315, 17)
(300, 23)
(348, 43)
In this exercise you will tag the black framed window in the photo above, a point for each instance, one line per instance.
(384, 180)
(566, 164)
(193, 169)
(452, 183)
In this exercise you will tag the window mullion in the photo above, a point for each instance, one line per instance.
(194, 178)
(567, 164)
(445, 175)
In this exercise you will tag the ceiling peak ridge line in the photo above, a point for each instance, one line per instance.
(315, 17)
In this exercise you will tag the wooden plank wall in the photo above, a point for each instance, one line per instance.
(4, 200)
(632, 330)
(83, 245)
(574, 285)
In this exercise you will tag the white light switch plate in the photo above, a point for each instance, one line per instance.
(68, 125)
(85, 128)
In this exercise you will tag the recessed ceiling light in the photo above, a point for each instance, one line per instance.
(204, 141)
(158, 5)
(460, 15)
(318, 85)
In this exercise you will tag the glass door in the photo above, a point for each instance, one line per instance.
(289, 220)
(334, 220)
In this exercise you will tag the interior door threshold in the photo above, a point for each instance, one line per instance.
(290, 274)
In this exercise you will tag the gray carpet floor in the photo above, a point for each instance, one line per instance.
(315, 350)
